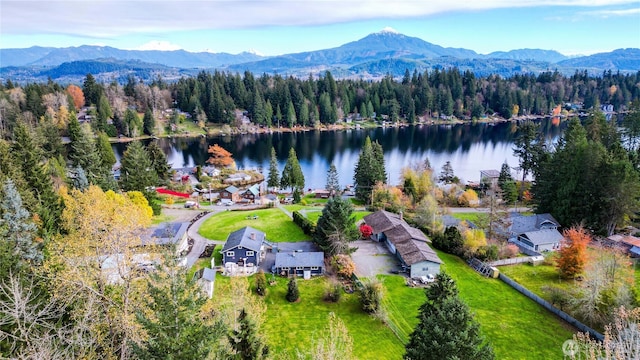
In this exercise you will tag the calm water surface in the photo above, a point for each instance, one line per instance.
(469, 147)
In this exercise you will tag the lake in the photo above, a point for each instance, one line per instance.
(469, 147)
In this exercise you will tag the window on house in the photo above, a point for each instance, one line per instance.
(314, 268)
(298, 267)
(251, 253)
(425, 269)
(239, 247)
(231, 253)
(285, 269)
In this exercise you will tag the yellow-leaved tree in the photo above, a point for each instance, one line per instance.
(94, 266)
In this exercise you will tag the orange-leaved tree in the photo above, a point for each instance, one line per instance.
(77, 95)
(573, 251)
(219, 156)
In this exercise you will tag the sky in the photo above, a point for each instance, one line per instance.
(275, 27)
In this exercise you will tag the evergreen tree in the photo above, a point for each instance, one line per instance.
(525, 148)
(246, 342)
(19, 230)
(273, 179)
(268, 114)
(137, 172)
(505, 174)
(10, 169)
(292, 175)
(104, 113)
(447, 176)
(369, 170)
(174, 322)
(79, 180)
(291, 115)
(446, 328)
(261, 283)
(105, 151)
(85, 153)
(293, 294)
(91, 90)
(159, 161)
(303, 119)
(132, 124)
(148, 123)
(27, 153)
(333, 184)
(336, 227)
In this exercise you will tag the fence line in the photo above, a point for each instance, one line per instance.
(545, 304)
(512, 261)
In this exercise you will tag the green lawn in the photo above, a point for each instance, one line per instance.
(291, 326)
(158, 219)
(315, 215)
(277, 225)
(517, 327)
(536, 277)
(469, 216)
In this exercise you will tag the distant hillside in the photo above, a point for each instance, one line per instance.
(620, 59)
(551, 56)
(103, 70)
(177, 58)
(373, 56)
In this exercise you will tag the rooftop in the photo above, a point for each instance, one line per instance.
(247, 237)
(303, 259)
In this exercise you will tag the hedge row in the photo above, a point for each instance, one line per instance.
(307, 226)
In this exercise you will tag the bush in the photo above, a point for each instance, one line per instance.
(508, 251)
(156, 207)
(450, 242)
(293, 294)
(261, 283)
(333, 292)
(487, 252)
(169, 200)
(305, 224)
(371, 296)
(343, 265)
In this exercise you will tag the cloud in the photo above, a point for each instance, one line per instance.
(159, 45)
(612, 13)
(108, 18)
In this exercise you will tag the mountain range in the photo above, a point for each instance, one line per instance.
(375, 55)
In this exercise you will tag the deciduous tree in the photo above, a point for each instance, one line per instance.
(219, 156)
(573, 252)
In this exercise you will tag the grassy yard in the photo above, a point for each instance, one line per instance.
(291, 326)
(315, 215)
(277, 225)
(468, 216)
(517, 327)
(536, 277)
(161, 219)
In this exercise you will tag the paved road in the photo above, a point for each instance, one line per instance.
(199, 241)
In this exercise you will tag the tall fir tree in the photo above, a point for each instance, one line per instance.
(292, 175)
(446, 328)
(104, 113)
(20, 231)
(273, 180)
(178, 327)
(148, 123)
(159, 161)
(136, 171)
(245, 342)
(27, 153)
(333, 184)
(336, 227)
(369, 170)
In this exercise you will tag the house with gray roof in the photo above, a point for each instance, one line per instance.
(409, 244)
(252, 194)
(538, 232)
(244, 247)
(305, 264)
(450, 221)
(168, 234)
(206, 279)
(231, 193)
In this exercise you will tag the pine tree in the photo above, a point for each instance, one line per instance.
(159, 161)
(85, 153)
(104, 113)
(246, 342)
(447, 176)
(79, 180)
(148, 123)
(291, 115)
(333, 184)
(105, 151)
(293, 294)
(446, 328)
(336, 227)
(27, 153)
(369, 170)
(273, 179)
(292, 175)
(137, 172)
(19, 230)
(175, 324)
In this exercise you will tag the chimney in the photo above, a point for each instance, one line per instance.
(253, 236)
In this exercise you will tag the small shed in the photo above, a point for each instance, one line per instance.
(206, 279)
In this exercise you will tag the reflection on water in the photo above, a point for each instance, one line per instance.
(469, 147)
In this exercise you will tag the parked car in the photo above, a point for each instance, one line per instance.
(225, 202)
(190, 204)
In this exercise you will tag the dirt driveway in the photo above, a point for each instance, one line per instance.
(372, 258)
